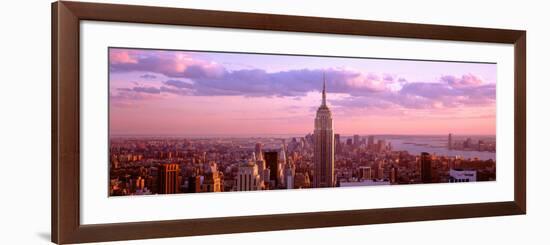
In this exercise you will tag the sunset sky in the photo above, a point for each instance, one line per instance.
(206, 93)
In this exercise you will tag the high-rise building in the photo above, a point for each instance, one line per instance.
(258, 151)
(468, 143)
(370, 143)
(380, 172)
(323, 157)
(272, 161)
(356, 140)
(450, 143)
(259, 161)
(381, 145)
(137, 184)
(426, 167)
(263, 171)
(393, 174)
(247, 178)
(114, 161)
(266, 174)
(289, 174)
(365, 173)
(309, 139)
(301, 180)
(194, 184)
(212, 179)
(168, 182)
(281, 167)
(337, 143)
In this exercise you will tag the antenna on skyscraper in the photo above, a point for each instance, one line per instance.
(324, 90)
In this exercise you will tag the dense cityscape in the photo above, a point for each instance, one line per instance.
(146, 165)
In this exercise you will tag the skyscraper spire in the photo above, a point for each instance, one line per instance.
(324, 91)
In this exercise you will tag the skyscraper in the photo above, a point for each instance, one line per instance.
(247, 178)
(426, 167)
(272, 161)
(356, 140)
(301, 180)
(323, 157)
(194, 184)
(289, 174)
(337, 145)
(168, 178)
(281, 167)
(212, 180)
(263, 171)
(393, 174)
(370, 143)
(258, 151)
(381, 146)
(365, 173)
(450, 144)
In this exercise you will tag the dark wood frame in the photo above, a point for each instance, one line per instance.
(66, 227)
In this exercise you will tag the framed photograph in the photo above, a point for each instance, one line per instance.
(176, 122)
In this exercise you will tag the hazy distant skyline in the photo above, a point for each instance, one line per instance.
(156, 92)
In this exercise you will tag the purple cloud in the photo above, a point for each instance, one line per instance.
(213, 79)
(449, 92)
(191, 76)
(148, 76)
(258, 82)
(388, 78)
(141, 89)
(178, 84)
(467, 80)
(168, 63)
(428, 90)
(178, 91)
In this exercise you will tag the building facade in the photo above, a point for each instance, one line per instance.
(461, 175)
(212, 179)
(168, 182)
(281, 168)
(272, 161)
(426, 167)
(247, 178)
(365, 173)
(289, 174)
(337, 145)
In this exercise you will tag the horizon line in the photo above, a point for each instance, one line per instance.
(282, 135)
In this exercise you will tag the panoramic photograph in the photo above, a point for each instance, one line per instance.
(203, 121)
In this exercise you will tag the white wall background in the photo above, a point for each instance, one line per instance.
(25, 121)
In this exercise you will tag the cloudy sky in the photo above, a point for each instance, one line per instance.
(156, 92)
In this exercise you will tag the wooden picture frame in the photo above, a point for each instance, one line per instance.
(66, 226)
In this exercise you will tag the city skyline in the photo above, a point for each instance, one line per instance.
(321, 159)
(204, 93)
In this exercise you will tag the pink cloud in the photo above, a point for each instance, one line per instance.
(358, 80)
(130, 97)
(466, 81)
(169, 63)
(117, 56)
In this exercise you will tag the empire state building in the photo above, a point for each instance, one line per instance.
(323, 157)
